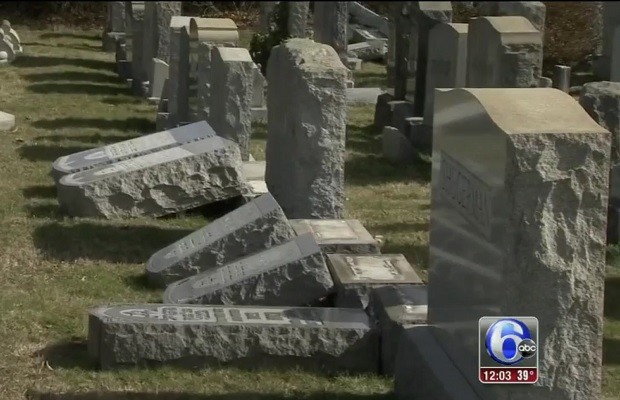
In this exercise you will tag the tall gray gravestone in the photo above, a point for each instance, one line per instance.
(319, 339)
(139, 74)
(611, 20)
(306, 105)
(156, 184)
(330, 25)
(230, 97)
(131, 148)
(517, 229)
(159, 35)
(503, 52)
(266, 8)
(297, 18)
(255, 226)
(114, 26)
(178, 72)
(534, 11)
(292, 273)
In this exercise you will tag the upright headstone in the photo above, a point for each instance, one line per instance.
(139, 74)
(297, 18)
(517, 229)
(131, 148)
(534, 11)
(114, 25)
(611, 20)
(425, 15)
(156, 184)
(330, 25)
(251, 228)
(319, 339)
(178, 72)
(306, 105)
(561, 77)
(231, 91)
(293, 273)
(503, 52)
(159, 51)
(402, 43)
(266, 8)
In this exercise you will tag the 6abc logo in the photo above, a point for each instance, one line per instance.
(508, 343)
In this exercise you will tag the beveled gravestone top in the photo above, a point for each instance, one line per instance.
(355, 275)
(130, 148)
(317, 338)
(250, 228)
(338, 235)
(293, 273)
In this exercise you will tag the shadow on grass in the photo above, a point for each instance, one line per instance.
(32, 61)
(611, 351)
(122, 100)
(67, 354)
(612, 299)
(32, 395)
(371, 75)
(56, 35)
(49, 210)
(83, 47)
(75, 88)
(416, 254)
(127, 124)
(117, 244)
(40, 192)
(398, 227)
(141, 283)
(72, 76)
(95, 138)
(37, 152)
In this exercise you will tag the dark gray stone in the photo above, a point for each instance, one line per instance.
(337, 235)
(325, 339)
(156, 184)
(129, 149)
(356, 275)
(253, 227)
(293, 273)
(391, 308)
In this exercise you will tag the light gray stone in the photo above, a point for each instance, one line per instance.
(266, 9)
(362, 96)
(139, 82)
(391, 308)
(355, 275)
(521, 217)
(534, 11)
(503, 52)
(561, 77)
(7, 121)
(324, 339)
(306, 105)
(164, 12)
(251, 228)
(259, 84)
(364, 16)
(370, 50)
(230, 97)
(156, 184)
(396, 147)
(330, 25)
(292, 273)
(159, 75)
(297, 18)
(611, 20)
(338, 235)
(131, 148)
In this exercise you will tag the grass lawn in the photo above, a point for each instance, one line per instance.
(67, 97)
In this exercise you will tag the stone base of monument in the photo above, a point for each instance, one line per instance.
(7, 121)
(316, 339)
(110, 39)
(159, 75)
(356, 275)
(362, 96)
(259, 114)
(370, 50)
(396, 147)
(392, 308)
(338, 235)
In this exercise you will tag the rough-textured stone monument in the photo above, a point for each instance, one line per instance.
(330, 25)
(131, 148)
(324, 339)
(503, 52)
(114, 25)
(297, 18)
(534, 11)
(306, 105)
(611, 20)
(266, 8)
(230, 98)
(251, 228)
(355, 275)
(343, 236)
(293, 273)
(156, 184)
(178, 72)
(517, 229)
(139, 74)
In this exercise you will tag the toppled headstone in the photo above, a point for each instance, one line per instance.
(292, 273)
(7, 121)
(325, 339)
(507, 217)
(156, 184)
(306, 105)
(338, 235)
(230, 97)
(503, 52)
(355, 275)
(130, 149)
(370, 50)
(392, 308)
(253, 227)
(367, 17)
